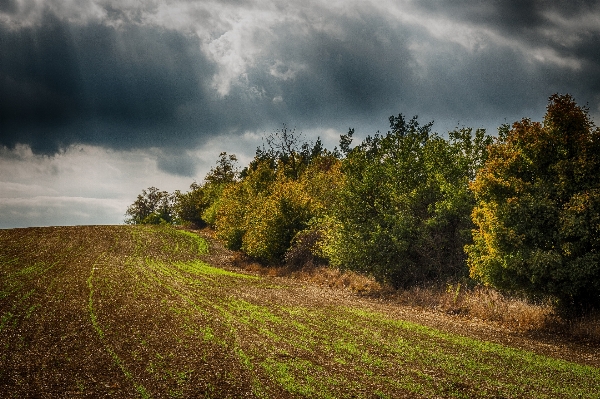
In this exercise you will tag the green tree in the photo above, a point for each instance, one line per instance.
(538, 208)
(403, 211)
(225, 172)
(189, 206)
(152, 206)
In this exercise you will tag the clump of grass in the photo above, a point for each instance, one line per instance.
(517, 313)
(318, 274)
(335, 278)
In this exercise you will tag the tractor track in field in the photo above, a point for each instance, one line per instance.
(120, 311)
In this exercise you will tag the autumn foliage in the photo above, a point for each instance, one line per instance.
(538, 208)
(520, 213)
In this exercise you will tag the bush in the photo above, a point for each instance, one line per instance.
(403, 214)
(275, 219)
(230, 215)
(538, 208)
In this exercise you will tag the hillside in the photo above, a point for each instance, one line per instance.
(131, 311)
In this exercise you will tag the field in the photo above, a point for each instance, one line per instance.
(128, 311)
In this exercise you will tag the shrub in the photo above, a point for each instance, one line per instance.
(403, 214)
(538, 208)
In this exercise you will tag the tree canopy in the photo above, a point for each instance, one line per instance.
(538, 207)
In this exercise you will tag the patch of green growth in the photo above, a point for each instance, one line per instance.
(295, 376)
(207, 334)
(244, 359)
(249, 313)
(19, 310)
(202, 268)
(80, 386)
(258, 389)
(345, 348)
(13, 281)
(138, 387)
(5, 320)
(199, 244)
(380, 394)
(31, 309)
(371, 360)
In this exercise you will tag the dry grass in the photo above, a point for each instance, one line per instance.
(317, 274)
(518, 314)
(481, 303)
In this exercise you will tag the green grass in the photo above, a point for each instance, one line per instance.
(164, 323)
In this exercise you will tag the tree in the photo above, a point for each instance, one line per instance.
(224, 172)
(152, 206)
(403, 210)
(538, 208)
(190, 206)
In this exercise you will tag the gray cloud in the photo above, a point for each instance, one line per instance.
(175, 76)
(97, 84)
(59, 211)
(100, 99)
(177, 163)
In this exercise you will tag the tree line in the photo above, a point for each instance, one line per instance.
(519, 212)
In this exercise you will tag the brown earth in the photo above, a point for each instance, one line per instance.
(119, 311)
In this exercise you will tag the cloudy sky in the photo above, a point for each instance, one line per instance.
(100, 99)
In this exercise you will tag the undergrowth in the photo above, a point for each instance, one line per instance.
(469, 302)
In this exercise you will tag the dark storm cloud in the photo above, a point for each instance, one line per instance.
(561, 26)
(337, 80)
(177, 163)
(96, 84)
(120, 81)
(8, 6)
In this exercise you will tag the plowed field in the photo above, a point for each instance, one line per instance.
(127, 311)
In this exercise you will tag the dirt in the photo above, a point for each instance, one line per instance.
(118, 311)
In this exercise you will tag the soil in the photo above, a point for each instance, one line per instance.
(120, 311)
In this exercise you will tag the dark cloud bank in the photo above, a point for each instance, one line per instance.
(136, 85)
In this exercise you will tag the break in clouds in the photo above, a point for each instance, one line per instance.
(173, 74)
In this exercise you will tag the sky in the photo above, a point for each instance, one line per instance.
(100, 99)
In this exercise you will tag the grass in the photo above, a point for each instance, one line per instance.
(128, 311)
(469, 303)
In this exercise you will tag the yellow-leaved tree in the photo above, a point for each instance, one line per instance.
(538, 208)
